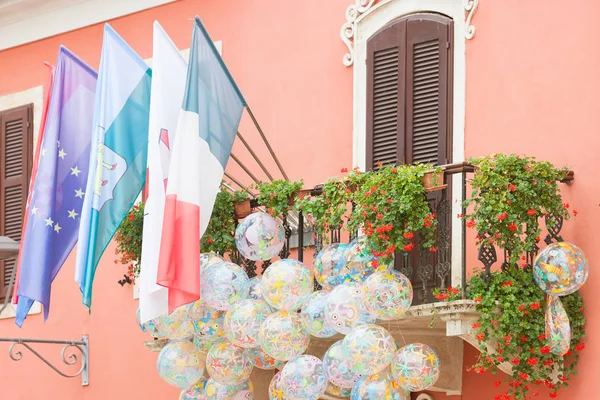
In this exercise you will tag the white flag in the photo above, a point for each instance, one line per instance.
(169, 71)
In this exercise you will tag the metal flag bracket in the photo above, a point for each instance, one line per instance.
(69, 354)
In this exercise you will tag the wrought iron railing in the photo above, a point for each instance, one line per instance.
(425, 269)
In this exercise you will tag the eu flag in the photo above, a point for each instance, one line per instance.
(55, 205)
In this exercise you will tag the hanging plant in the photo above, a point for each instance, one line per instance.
(278, 195)
(510, 194)
(129, 243)
(512, 316)
(219, 235)
(391, 207)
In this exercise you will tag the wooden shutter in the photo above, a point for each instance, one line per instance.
(409, 91)
(16, 141)
(428, 116)
(386, 69)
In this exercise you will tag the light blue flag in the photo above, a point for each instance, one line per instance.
(119, 150)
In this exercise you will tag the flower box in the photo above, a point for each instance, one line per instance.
(434, 180)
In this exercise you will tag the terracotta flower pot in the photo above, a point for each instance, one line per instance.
(243, 209)
(434, 180)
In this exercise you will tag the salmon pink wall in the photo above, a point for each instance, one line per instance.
(286, 58)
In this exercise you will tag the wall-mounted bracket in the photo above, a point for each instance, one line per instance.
(69, 354)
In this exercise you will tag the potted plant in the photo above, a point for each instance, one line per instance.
(219, 235)
(433, 180)
(510, 194)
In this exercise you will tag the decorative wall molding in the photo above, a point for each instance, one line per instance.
(363, 7)
(470, 8)
(347, 33)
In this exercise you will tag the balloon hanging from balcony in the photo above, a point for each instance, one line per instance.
(287, 284)
(302, 378)
(196, 392)
(243, 320)
(207, 323)
(416, 367)
(259, 237)
(559, 269)
(222, 284)
(313, 315)
(180, 364)
(328, 264)
(229, 365)
(359, 262)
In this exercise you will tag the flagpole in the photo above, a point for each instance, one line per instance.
(264, 138)
(254, 156)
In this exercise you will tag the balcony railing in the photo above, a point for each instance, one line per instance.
(425, 269)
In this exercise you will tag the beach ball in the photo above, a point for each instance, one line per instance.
(282, 335)
(207, 323)
(217, 391)
(336, 367)
(337, 391)
(287, 284)
(262, 360)
(180, 364)
(196, 392)
(243, 320)
(359, 262)
(259, 237)
(222, 284)
(150, 327)
(328, 264)
(387, 294)
(560, 269)
(302, 378)
(177, 325)
(557, 326)
(378, 386)
(208, 259)
(345, 309)
(369, 349)
(228, 364)
(275, 388)
(313, 315)
(416, 367)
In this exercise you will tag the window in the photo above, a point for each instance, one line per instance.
(409, 91)
(16, 157)
(409, 120)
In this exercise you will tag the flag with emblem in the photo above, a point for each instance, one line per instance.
(117, 163)
(168, 83)
(55, 203)
(208, 121)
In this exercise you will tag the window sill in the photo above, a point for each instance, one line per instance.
(11, 311)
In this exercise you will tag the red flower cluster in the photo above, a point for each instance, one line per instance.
(408, 247)
(502, 216)
(512, 227)
(507, 283)
(408, 235)
(471, 223)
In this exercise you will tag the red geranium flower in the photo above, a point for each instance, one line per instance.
(130, 217)
(532, 361)
(470, 223)
(480, 336)
(580, 346)
(512, 187)
(409, 247)
(515, 361)
(502, 216)
(408, 235)
(531, 212)
(512, 227)
(542, 336)
(497, 383)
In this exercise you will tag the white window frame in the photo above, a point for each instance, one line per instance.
(365, 26)
(33, 96)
